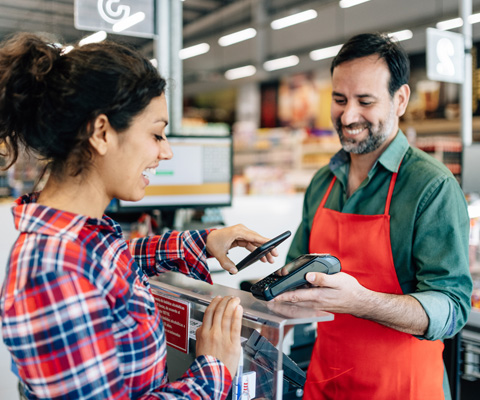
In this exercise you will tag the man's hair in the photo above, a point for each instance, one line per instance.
(367, 44)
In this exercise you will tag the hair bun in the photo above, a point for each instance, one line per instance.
(25, 64)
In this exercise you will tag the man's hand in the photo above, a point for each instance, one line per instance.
(342, 293)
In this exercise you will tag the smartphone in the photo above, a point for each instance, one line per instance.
(259, 252)
(292, 275)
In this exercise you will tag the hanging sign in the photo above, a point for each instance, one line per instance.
(445, 56)
(123, 17)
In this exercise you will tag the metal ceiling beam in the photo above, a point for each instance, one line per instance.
(212, 19)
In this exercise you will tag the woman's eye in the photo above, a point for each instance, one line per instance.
(159, 137)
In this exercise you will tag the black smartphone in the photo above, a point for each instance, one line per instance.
(259, 252)
(292, 275)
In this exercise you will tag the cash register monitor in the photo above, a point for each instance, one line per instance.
(198, 176)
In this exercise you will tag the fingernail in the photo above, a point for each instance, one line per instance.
(311, 277)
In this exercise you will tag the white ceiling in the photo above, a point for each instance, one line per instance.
(207, 20)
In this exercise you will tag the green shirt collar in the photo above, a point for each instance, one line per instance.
(394, 153)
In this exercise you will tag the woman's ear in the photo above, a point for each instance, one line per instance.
(100, 137)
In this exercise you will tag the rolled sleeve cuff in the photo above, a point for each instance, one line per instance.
(440, 312)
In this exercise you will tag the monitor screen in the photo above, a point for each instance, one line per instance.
(199, 175)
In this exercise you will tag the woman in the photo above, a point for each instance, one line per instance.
(77, 313)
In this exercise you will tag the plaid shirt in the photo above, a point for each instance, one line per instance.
(78, 316)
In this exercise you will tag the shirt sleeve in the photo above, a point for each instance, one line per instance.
(212, 370)
(183, 252)
(59, 332)
(440, 252)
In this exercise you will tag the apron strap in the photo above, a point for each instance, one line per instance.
(327, 193)
(390, 190)
(389, 195)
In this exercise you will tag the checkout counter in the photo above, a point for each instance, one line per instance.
(269, 372)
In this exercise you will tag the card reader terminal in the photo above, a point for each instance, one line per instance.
(292, 275)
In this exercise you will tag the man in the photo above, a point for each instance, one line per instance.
(397, 220)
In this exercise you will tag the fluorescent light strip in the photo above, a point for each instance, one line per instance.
(67, 49)
(237, 37)
(327, 52)
(242, 72)
(279, 63)
(450, 24)
(193, 51)
(474, 18)
(457, 22)
(350, 3)
(401, 35)
(128, 22)
(93, 38)
(293, 19)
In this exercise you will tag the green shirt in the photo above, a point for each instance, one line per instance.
(429, 227)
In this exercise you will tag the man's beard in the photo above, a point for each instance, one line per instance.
(374, 139)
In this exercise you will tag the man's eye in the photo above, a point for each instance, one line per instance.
(339, 101)
(365, 103)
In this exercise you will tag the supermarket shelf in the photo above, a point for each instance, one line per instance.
(439, 126)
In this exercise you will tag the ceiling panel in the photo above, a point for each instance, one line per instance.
(207, 20)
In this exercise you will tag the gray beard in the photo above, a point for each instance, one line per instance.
(373, 141)
(365, 146)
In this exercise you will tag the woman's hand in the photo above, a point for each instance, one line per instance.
(221, 240)
(219, 335)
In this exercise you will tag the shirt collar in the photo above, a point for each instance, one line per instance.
(390, 158)
(30, 217)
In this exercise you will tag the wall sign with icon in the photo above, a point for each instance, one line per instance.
(126, 17)
(445, 56)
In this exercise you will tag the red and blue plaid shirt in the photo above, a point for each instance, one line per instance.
(78, 316)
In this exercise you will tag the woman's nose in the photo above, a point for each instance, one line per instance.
(165, 152)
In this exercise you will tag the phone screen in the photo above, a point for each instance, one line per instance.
(295, 264)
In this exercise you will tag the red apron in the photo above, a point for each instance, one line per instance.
(354, 358)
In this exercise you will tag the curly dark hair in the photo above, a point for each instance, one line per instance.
(49, 100)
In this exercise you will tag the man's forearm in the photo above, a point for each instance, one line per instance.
(401, 312)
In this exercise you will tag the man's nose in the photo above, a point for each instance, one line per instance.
(350, 114)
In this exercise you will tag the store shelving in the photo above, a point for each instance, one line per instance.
(289, 155)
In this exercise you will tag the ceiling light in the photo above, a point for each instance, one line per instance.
(242, 72)
(293, 19)
(93, 38)
(350, 3)
(236, 37)
(327, 52)
(457, 22)
(450, 24)
(67, 49)
(474, 18)
(280, 63)
(193, 51)
(401, 35)
(128, 22)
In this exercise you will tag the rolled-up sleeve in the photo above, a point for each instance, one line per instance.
(184, 252)
(440, 252)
